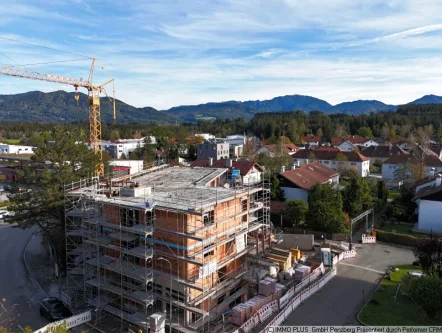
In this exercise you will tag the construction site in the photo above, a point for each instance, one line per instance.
(169, 239)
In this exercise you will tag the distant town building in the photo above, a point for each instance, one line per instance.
(134, 166)
(297, 182)
(215, 148)
(271, 150)
(117, 148)
(205, 136)
(353, 139)
(15, 149)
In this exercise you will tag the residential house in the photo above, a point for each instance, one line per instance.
(437, 149)
(312, 141)
(335, 159)
(428, 198)
(117, 148)
(369, 143)
(15, 149)
(249, 172)
(216, 149)
(296, 183)
(347, 146)
(401, 143)
(392, 164)
(271, 150)
(353, 139)
(382, 153)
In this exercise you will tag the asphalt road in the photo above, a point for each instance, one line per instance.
(21, 294)
(342, 298)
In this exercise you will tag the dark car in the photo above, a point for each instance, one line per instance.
(54, 309)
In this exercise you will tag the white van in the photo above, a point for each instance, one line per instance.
(3, 213)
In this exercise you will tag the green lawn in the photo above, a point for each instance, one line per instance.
(399, 228)
(389, 312)
(11, 141)
(394, 195)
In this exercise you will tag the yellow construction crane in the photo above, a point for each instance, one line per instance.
(93, 99)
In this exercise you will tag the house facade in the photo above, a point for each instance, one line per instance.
(347, 146)
(15, 149)
(428, 198)
(216, 149)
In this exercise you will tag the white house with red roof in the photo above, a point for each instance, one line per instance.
(297, 182)
(335, 159)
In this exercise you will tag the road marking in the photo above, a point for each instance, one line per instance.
(362, 267)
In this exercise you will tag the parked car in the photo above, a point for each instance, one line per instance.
(3, 214)
(54, 309)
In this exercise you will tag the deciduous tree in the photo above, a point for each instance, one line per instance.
(427, 292)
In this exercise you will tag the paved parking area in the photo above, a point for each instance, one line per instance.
(342, 298)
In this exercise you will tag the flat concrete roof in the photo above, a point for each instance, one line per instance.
(175, 188)
(178, 176)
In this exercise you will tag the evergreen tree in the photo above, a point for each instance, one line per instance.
(295, 212)
(325, 209)
(357, 196)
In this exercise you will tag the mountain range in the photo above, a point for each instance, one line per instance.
(60, 106)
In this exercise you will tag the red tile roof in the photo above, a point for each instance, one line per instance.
(289, 148)
(383, 151)
(353, 139)
(326, 148)
(315, 139)
(431, 160)
(244, 167)
(308, 175)
(330, 155)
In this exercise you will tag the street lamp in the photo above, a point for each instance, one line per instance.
(170, 271)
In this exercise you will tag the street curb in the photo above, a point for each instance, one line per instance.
(369, 299)
(27, 266)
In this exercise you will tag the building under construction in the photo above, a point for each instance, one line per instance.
(168, 239)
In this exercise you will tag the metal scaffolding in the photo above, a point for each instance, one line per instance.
(180, 247)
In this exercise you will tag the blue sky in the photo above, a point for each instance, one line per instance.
(168, 53)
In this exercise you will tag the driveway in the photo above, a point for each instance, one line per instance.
(343, 297)
(21, 296)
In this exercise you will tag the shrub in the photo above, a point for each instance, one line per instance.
(390, 237)
(389, 210)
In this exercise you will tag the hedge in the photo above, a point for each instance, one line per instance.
(4, 204)
(401, 239)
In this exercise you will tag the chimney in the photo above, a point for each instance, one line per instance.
(294, 166)
(283, 169)
(390, 146)
(438, 180)
(432, 172)
(228, 163)
(210, 161)
(297, 164)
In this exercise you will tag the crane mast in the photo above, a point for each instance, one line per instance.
(94, 92)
